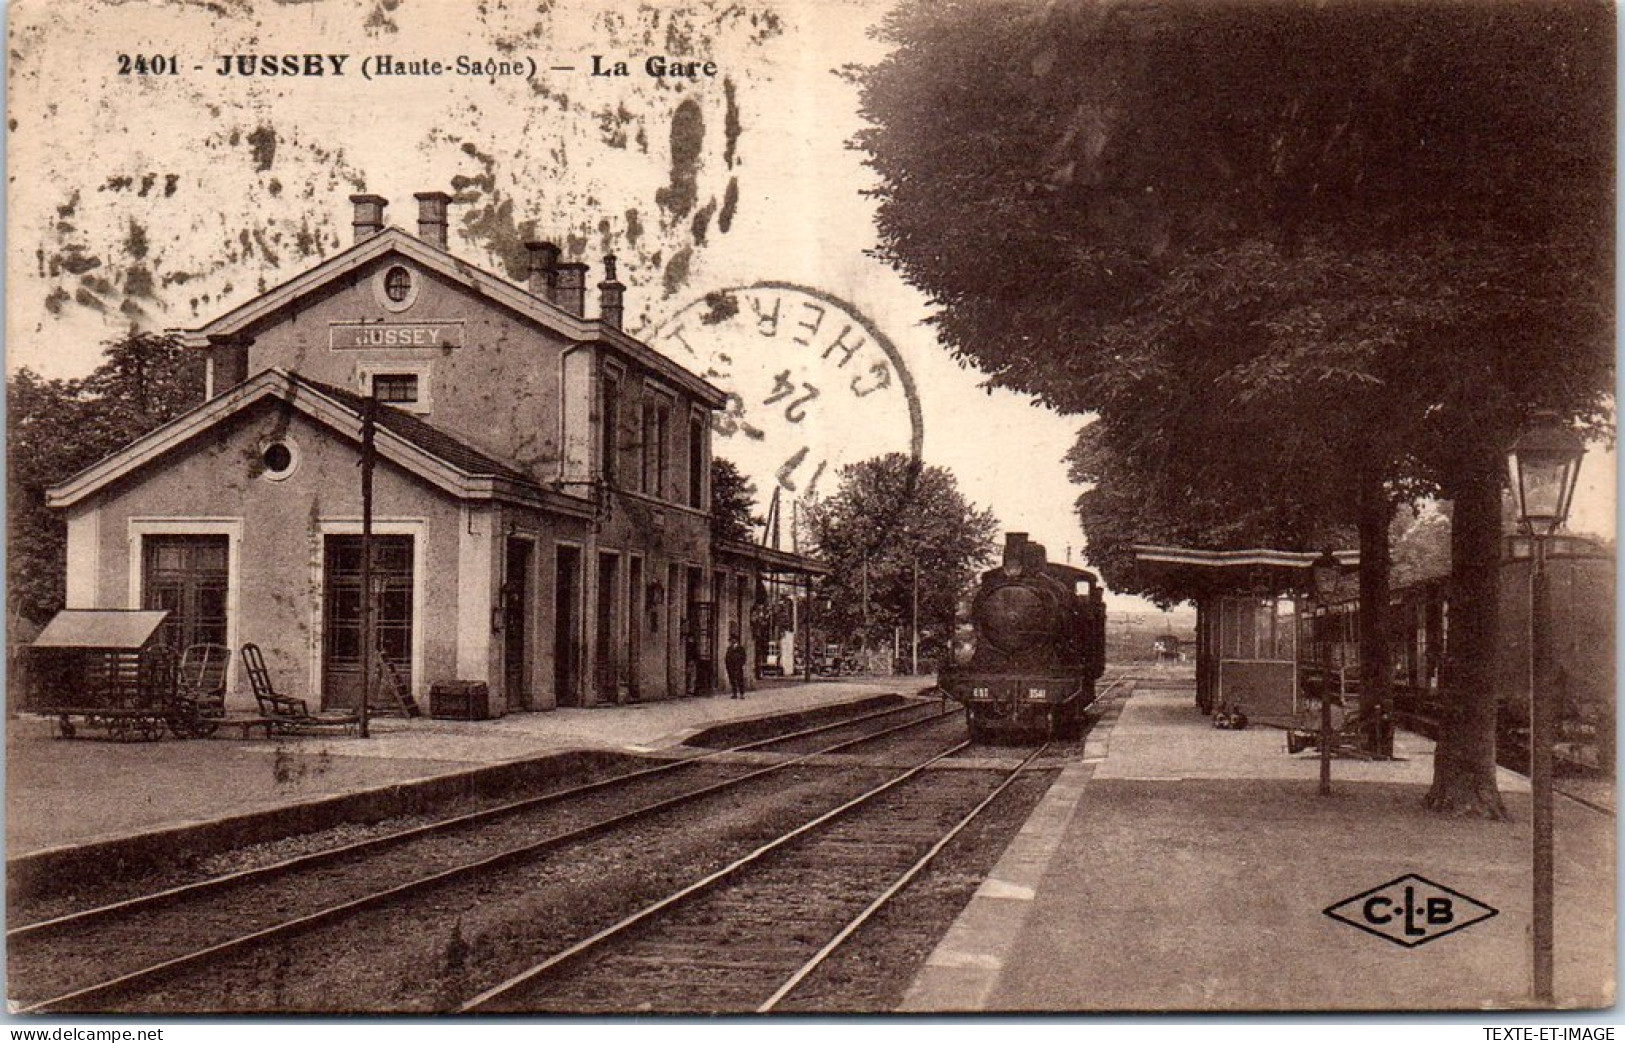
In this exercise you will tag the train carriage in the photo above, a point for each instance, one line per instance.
(1040, 646)
(1582, 572)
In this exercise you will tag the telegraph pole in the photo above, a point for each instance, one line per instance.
(369, 424)
(915, 617)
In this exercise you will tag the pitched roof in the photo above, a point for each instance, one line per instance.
(481, 282)
(420, 433)
(413, 444)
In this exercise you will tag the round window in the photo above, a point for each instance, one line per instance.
(398, 284)
(278, 459)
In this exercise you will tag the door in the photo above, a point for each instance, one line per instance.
(516, 624)
(635, 609)
(187, 576)
(341, 617)
(606, 658)
(567, 627)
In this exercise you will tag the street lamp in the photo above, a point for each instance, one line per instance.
(1544, 465)
(1324, 571)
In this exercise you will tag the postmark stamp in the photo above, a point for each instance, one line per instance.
(812, 386)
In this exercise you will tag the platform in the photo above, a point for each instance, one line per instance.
(71, 792)
(1178, 867)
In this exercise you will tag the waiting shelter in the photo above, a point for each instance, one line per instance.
(1248, 605)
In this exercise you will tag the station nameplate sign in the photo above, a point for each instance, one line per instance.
(355, 336)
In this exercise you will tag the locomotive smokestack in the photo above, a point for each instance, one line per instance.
(1015, 544)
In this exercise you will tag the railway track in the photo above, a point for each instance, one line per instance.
(63, 963)
(745, 937)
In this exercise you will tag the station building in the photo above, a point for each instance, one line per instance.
(541, 487)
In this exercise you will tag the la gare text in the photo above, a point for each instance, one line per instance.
(375, 66)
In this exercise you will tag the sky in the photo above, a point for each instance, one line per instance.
(161, 200)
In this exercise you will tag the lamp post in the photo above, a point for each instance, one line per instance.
(1324, 571)
(1543, 464)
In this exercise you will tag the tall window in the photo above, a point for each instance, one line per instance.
(609, 423)
(187, 575)
(656, 418)
(696, 462)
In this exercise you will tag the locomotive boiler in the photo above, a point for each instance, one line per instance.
(1040, 646)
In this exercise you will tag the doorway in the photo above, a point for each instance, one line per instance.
(567, 627)
(634, 626)
(341, 625)
(516, 624)
(606, 664)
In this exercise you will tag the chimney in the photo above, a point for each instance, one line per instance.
(572, 288)
(1015, 547)
(432, 217)
(611, 295)
(369, 215)
(542, 270)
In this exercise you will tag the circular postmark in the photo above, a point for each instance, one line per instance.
(812, 385)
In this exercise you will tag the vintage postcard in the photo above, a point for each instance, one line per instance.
(876, 507)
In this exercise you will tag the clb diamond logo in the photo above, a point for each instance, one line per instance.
(1410, 911)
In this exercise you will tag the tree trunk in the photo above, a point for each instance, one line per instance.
(1464, 761)
(1376, 668)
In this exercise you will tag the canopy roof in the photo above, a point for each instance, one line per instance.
(121, 629)
(1267, 573)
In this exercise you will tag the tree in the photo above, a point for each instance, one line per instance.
(733, 503)
(1385, 227)
(57, 428)
(891, 523)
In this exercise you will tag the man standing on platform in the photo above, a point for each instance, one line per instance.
(734, 660)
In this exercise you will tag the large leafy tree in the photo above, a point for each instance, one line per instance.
(56, 428)
(897, 537)
(733, 502)
(1385, 227)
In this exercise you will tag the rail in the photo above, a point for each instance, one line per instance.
(621, 928)
(103, 990)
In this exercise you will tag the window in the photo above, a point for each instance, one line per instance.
(398, 284)
(656, 418)
(609, 424)
(404, 385)
(279, 459)
(187, 575)
(696, 463)
(395, 387)
(396, 288)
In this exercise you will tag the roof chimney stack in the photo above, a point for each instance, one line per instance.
(572, 288)
(611, 295)
(541, 271)
(432, 217)
(369, 215)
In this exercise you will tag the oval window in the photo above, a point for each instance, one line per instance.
(398, 284)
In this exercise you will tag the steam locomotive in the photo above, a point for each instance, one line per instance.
(1040, 646)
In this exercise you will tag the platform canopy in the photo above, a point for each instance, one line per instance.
(1266, 573)
(106, 628)
(770, 560)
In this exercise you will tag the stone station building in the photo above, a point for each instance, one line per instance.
(541, 492)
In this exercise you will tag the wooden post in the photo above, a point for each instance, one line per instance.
(807, 667)
(915, 620)
(369, 424)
